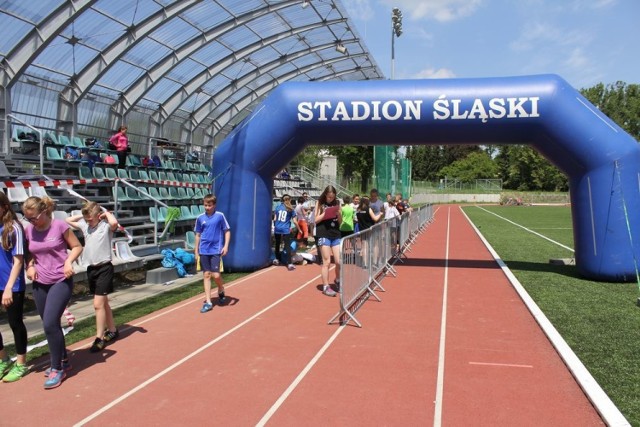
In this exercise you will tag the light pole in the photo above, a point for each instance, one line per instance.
(396, 31)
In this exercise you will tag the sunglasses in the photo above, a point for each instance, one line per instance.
(34, 219)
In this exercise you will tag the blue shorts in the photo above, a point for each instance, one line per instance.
(210, 263)
(325, 241)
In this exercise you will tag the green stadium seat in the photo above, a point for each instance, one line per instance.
(98, 172)
(85, 172)
(190, 240)
(185, 212)
(110, 173)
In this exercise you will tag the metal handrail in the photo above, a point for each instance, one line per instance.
(7, 138)
(156, 203)
(318, 180)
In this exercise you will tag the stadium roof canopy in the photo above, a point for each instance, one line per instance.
(187, 66)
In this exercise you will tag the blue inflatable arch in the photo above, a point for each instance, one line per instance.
(601, 160)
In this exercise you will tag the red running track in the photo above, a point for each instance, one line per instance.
(269, 357)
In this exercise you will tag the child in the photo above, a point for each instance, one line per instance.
(97, 227)
(284, 215)
(53, 248)
(212, 243)
(348, 214)
(12, 285)
(328, 219)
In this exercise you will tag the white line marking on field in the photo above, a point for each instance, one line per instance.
(508, 365)
(437, 417)
(552, 228)
(189, 356)
(527, 229)
(299, 378)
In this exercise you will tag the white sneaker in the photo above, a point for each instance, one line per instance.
(291, 267)
(329, 292)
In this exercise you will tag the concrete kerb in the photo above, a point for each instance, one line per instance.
(83, 308)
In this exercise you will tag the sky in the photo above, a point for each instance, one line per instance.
(586, 42)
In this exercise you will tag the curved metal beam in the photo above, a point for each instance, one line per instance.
(219, 97)
(323, 78)
(94, 70)
(137, 90)
(202, 113)
(29, 47)
(172, 103)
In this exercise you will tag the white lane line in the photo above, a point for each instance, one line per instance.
(600, 400)
(527, 229)
(189, 357)
(184, 304)
(299, 378)
(508, 365)
(437, 417)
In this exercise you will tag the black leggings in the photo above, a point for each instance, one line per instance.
(14, 314)
(122, 159)
(286, 251)
(51, 300)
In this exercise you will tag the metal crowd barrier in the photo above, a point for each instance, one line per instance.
(367, 256)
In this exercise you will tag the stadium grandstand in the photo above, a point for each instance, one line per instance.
(179, 74)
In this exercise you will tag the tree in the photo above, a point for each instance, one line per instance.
(477, 165)
(428, 160)
(354, 161)
(523, 168)
(309, 158)
(620, 102)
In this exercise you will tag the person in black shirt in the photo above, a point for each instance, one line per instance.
(327, 220)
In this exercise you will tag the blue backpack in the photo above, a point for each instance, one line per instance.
(170, 261)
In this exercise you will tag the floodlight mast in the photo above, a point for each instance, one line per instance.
(396, 31)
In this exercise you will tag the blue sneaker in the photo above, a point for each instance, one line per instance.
(206, 307)
(55, 379)
(66, 366)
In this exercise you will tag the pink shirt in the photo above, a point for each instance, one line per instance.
(120, 140)
(49, 250)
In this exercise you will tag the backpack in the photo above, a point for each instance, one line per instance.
(109, 159)
(156, 162)
(146, 161)
(171, 261)
(71, 153)
(187, 258)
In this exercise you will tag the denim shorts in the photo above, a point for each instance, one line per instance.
(325, 241)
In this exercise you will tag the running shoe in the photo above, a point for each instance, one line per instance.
(221, 299)
(5, 366)
(98, 345)
(329, 292)
(54, 379)
(111, 336)
(291, 267)
(66, 366)
(206, 307)
(17, 371)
